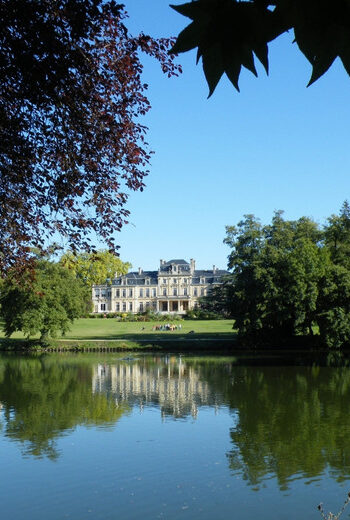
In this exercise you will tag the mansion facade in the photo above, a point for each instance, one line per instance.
(175, 288)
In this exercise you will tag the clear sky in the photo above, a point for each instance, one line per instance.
(275, 145)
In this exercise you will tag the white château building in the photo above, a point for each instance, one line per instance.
(174, 288)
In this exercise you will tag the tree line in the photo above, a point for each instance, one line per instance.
(47, 299)
(289, 278)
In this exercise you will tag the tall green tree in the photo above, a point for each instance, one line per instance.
(333, 316)
(94, 268)
(275, 279)
(245, 296)
(47, 304)
(337, 236)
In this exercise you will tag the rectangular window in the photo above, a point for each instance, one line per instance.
(174, 291)
(117, 293)
(154, 305)
(117, 306)
(202, 292)
(124, 306)
(130, 293)
(130, 306)
(103, 306)
(141, 293)
(154, 292)
(97, 293)
(174, 280)
(195, 291)
(124, 293)
(147, 293)
(141, 307)
(185, 291)
(164, 292)
(164, 280)
(185, 281)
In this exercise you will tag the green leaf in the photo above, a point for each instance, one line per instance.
(345, 58)
(192, 10)
(213, 66)
(247, 59)
(189, 38)
(321, 64)
(233, 69)
(261, 51)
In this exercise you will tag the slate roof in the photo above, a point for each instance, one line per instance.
(135, 278)
(183, 266)
(177, 262)
(209, 276)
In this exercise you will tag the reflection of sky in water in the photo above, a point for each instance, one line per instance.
(225, 454)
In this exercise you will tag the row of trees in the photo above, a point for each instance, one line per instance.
(288, 278)
(58, 293)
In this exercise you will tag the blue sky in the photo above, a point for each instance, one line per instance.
(275, 145)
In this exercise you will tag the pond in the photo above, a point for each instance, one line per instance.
(170, 436)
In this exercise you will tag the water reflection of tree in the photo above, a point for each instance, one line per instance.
(42, 400)
(289, 421)
(292, 422)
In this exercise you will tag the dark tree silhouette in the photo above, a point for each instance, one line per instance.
(71, 142)
(228, 33)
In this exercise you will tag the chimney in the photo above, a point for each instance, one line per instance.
(193, 265)
(162, 262)
(214, 269)
(140, 270)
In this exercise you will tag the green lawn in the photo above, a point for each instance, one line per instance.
(110, 329)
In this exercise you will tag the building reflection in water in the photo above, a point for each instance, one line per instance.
(169, 383)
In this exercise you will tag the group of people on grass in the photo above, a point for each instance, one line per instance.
(167, 326)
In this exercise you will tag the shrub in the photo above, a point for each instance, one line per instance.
(201, 314)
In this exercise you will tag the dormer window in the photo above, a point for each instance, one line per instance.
(147, 281)
(202, 280)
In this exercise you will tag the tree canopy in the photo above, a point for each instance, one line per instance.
(229, 33)
(94, 268)
(288, 278)
(72, 144)
(46, 304)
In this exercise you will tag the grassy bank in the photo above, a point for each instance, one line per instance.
(111, 335)
(111, 329)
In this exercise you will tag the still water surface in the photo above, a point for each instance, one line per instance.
(173, 437)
